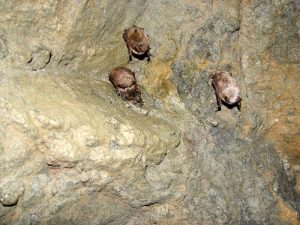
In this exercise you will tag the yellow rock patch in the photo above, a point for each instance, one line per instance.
(158, 81)
(287, 213)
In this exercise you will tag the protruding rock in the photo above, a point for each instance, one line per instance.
(10, 191)
(39, 59)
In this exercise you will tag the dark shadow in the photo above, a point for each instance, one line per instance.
(237, 104)
(142, 57)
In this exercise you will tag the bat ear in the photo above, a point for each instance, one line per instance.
(230, 74)
(239, 99)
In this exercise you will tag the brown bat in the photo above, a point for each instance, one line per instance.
(125, 84)
(226, 89)
(137, 42)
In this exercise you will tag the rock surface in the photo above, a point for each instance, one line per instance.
(72, 152)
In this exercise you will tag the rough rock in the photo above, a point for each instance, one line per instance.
(39, 59)
(3, 47)
(10, 191)
(73, 152)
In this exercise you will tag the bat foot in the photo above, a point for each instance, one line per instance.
(218, 109)
(129, 58)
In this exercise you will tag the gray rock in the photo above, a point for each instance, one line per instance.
(73, 152)
(213, 122)
(3, 47)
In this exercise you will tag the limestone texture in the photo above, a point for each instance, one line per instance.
(73, 152)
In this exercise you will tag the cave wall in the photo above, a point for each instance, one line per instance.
(72, 152)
